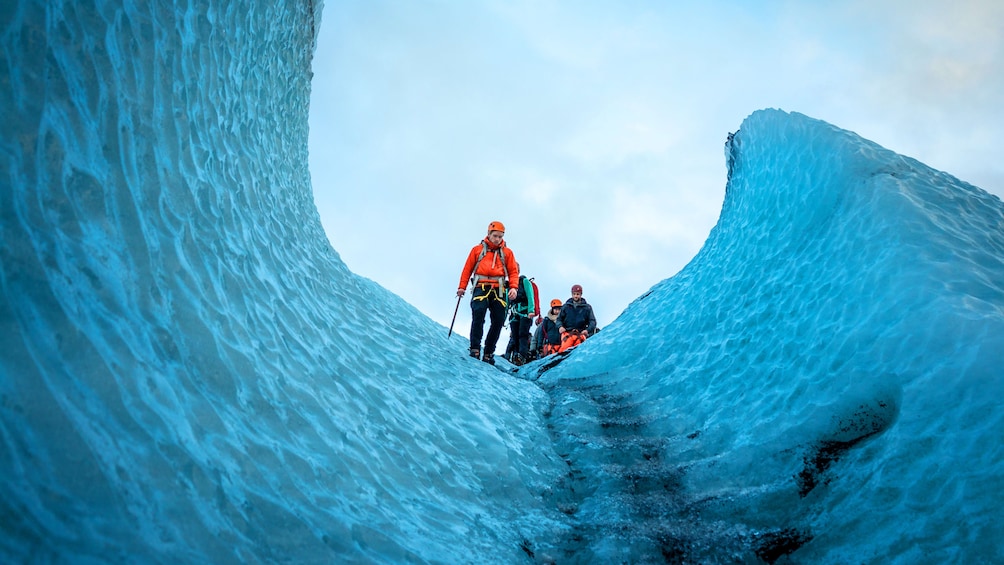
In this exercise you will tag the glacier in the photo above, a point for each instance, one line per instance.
(189, 373)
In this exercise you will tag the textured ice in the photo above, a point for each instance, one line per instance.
(189, 373)
(824, 375)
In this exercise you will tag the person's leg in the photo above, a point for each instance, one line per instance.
(496, 310)
(525, 324)
(569, 340)
(566, 342)
(512, 347)
(479, 307)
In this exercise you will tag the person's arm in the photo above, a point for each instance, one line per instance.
(591, 325)
(465, 275)
(536, 302)
(512, 268)
(530, 297)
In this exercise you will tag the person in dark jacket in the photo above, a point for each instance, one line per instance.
(576, 321)
(547, 338)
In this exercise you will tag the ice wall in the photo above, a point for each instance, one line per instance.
(822, 380)
(188, 373)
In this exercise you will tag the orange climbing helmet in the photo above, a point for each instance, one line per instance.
(496, 226)
(555, 303)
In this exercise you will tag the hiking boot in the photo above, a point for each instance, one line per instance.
(517, 359)
(475, 353)
(489, 358)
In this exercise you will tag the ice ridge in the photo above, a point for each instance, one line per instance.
(823, 374)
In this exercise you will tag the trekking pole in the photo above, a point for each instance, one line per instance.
(455, 310)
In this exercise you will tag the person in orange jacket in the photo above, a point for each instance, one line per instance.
(490, 267)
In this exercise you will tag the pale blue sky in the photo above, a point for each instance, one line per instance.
(595, 130)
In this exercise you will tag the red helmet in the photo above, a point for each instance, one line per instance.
(496, 226)
(556, 303)
(576, 288)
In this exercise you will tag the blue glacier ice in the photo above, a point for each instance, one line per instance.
(190, 374)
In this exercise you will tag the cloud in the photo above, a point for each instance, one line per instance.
(622, 129)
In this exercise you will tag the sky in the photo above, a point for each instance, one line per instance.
(595, 130)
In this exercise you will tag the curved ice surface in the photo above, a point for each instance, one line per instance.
(824, 376)
(188, 373)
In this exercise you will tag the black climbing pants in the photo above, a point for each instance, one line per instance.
(486, 300)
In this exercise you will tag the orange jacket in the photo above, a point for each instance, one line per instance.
(490, 265)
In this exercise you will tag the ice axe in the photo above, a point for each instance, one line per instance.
(455, 310)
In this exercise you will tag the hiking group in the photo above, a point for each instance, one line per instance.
(499, 287)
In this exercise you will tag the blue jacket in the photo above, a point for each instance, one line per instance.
(549, 329)
(577, 316)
